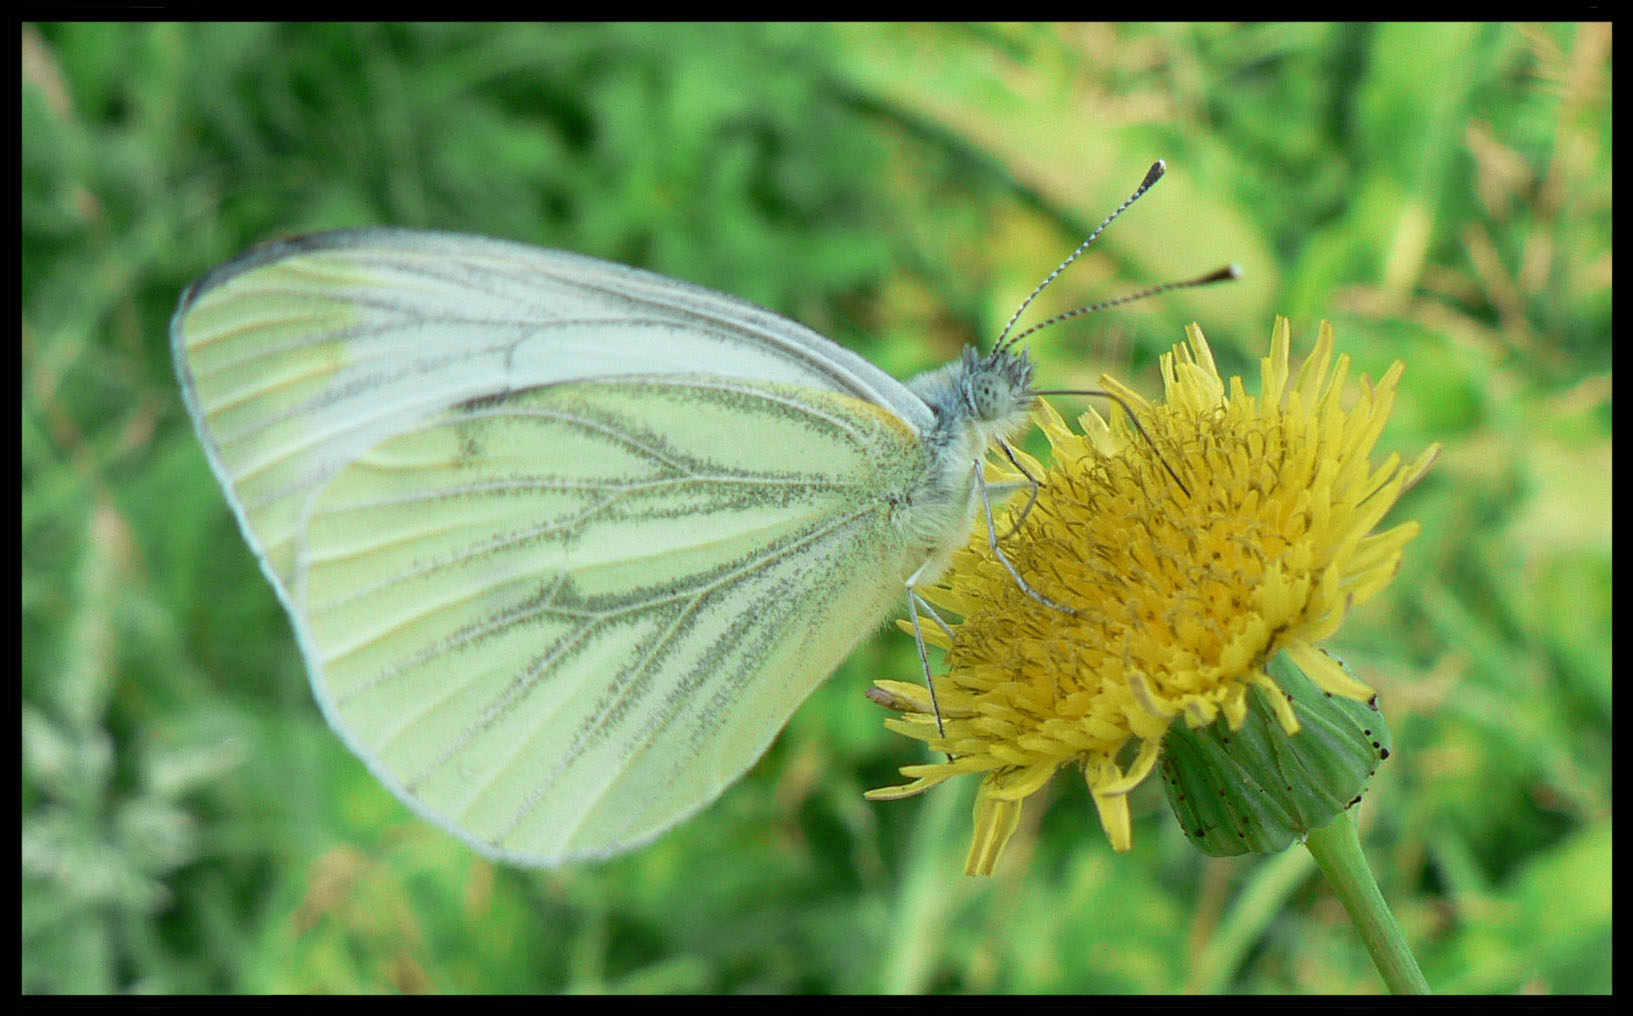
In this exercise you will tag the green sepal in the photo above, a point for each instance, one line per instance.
(1258, 790)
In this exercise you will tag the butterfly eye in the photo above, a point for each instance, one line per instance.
(986, 398)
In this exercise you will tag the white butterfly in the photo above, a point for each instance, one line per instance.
(566, 543)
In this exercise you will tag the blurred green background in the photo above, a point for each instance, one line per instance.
(1442, 193)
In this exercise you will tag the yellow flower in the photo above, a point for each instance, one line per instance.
(1180, 593)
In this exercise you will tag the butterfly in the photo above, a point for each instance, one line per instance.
(566, 543)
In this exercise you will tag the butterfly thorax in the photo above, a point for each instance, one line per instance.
(976, 400)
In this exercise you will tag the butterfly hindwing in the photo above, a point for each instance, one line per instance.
(557, 621)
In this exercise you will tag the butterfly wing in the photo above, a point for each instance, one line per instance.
(299, 355)
(554, 613)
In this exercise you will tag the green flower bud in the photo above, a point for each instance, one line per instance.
(1259, 789)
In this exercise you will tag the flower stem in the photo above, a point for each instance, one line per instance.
(1337, 849)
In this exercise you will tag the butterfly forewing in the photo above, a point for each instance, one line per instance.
(556, 614)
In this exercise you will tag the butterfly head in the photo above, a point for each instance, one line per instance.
(997, 386)
(979, 398)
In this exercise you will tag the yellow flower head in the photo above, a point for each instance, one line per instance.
(1237, 527)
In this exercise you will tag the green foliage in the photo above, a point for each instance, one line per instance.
(1441, 192)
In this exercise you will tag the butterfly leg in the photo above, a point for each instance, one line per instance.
(992, 537)
(915, 603)
(1032, 484)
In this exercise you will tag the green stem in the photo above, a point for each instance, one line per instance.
(1337, 849)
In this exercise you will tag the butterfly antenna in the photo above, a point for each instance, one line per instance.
(1152, 175)
(1224, 274)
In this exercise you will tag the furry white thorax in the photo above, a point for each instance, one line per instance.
(977, 400)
